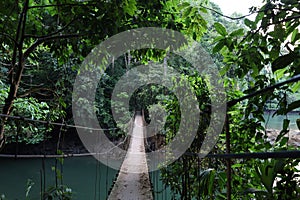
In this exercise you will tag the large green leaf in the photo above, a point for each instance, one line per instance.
(296, 87)
(294, 35)
(293, 106)
(219, 46)
(248, 23)
(207, 178)
(286, 123)
(267, 171)
(238, 32)
(220, 28)
(282, 61)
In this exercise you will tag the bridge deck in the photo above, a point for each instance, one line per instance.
(133, 181)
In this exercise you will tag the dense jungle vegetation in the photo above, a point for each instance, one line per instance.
(43, 43)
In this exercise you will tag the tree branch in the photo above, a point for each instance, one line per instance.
(14, 57)
(32, 85)
(266, 89)
(270, 24)
(51, 34)
(232, 18)
(66, 4)
(244, 16)
(9, 65)
(10, 37)
(42, 40)
(35, 90)
(285, 20)
(5, 64)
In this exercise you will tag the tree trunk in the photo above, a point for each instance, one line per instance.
(15, 74)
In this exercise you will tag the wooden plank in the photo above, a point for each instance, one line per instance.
(133, 180)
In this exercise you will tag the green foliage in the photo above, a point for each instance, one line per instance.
(278, 177)
(251, 56)
(24, 131)
(267, 172)
(61, 192)
(130, 7)
(268, 51)
(31, 133)
(191, 183)
(49, 40)
(207, 178)
(287, 186)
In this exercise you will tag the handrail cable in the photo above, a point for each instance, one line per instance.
(54, 123)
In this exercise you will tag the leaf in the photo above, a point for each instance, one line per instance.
(293, 106)
(183, 5)
(30, 183)
(284, 141)
(62, 102)
(237, 165)
(219, 46)
(248, 23)
(279, 164)
(187, 12)
(280, 73)
(224, 70)
(282, 61)
(203, 10)
(193, 11)
(218, 38)
(296, 87)
(59, 174)
(256, 191)
(238, 32)
(297, 38)
(267, 172)
(286, 123)
(279, 32)
(220, 28)
(294, 34)
(207, 178)
(259, 17)
(130, 7)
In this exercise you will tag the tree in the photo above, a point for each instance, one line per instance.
(250, 58)
(269, 48)
(56, 27)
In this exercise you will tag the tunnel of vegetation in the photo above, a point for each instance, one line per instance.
(43, 43)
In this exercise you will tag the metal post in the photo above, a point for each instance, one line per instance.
(228, 160)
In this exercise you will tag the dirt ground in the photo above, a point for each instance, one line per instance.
(294, 136)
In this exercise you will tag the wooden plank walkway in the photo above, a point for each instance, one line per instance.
(133, 181)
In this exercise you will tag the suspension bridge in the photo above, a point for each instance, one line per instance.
(137, 185)
(134, 185)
